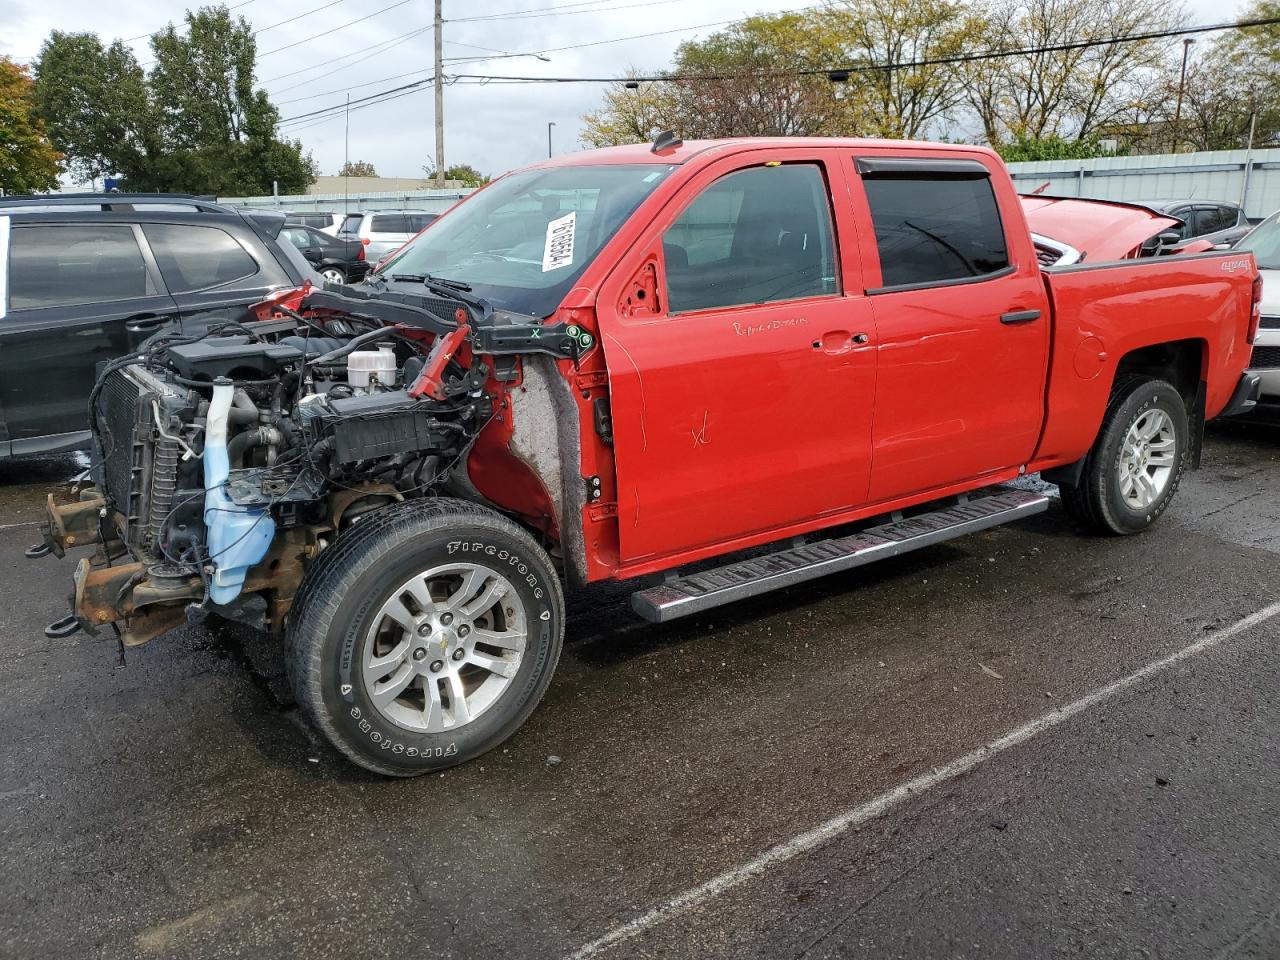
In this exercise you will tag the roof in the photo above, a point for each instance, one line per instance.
(643, 152)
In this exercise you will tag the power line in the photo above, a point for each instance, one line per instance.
(385, 45)
(325, 33)
(874, 67)
(560, 11)
(306, 13)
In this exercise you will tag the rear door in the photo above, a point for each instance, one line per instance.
(73, 291)
(741, 367)
(962, 316)
(212, 273)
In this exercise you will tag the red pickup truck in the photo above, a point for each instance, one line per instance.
(735, 364)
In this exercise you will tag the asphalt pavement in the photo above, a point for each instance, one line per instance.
(1025, 743)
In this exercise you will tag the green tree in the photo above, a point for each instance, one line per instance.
(357, 168)
(1066, 94)
(912, 99)
(632, 115)
(1052, 148)
(220, 132)
(467, 175)
(28, 161)
(95, 103)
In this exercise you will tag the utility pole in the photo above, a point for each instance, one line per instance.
(1182, 85)
(346, 159)
(550, 124)
(439, 94)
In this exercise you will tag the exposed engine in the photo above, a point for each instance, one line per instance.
(247, 447)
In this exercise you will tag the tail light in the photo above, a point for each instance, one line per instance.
(360, 255)
(1255, 312)
(365, 241)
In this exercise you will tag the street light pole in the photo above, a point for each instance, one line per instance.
(439, 24)
(550, 124)
(1182, 85)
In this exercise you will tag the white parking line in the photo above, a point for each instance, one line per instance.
(857, 816)
(25, 523)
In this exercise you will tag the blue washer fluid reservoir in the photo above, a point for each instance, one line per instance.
(237, 536)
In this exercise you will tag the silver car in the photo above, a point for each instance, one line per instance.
(382, 231)
(1264, 243)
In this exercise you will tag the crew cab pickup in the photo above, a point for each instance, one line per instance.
(736, 364)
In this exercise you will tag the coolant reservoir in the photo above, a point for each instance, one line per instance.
(367, 367)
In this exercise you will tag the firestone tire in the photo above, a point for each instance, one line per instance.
(340, 635)
(1106, 501)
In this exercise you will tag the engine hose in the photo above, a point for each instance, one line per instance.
(243, 409)
(243, 442)
(353, 345)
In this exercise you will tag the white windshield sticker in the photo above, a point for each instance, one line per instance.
(557, 252)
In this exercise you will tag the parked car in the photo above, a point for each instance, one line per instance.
(327, 223)
(620, 363)
(84, 280)
(336, 259)
(1213, 221)
(1263, 241)
(383, 231)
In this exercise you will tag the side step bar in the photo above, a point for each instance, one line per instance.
(748, 578)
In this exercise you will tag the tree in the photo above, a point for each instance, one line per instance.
(1233, 86)
(635, 115)
(28, 161)
(219, 132)
(357, 168)
(1068, 94)
(467, 175)
(96, 105)
(913, 99)
(1052, 148)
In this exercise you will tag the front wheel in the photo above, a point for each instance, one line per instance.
(425, 636)
(1135, 465)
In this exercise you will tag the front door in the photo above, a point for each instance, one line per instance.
(963, 324)
(74, 292)
(741, 363)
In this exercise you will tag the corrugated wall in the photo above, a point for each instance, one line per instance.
(1214, 175)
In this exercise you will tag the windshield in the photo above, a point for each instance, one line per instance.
(1264, 243)
(522, 242)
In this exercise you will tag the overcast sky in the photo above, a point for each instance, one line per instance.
(491, 126)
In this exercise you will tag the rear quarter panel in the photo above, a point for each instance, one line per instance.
(1102, 312)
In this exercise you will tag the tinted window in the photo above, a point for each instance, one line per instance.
(351, 223)
(196, 258)
(932, 228)
(755, 236)
(1211, 219)
(419, 220)
(389, 223)
(299, 238)
(52, 265)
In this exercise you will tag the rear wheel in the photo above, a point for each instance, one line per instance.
(425, 636)
(1135, 465)
(333, 275)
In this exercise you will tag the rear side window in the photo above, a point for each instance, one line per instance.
(389, 223)
(74, 264)
(197, 258)
(1211, 219)
(418, 221)
(755, 236)
(934, 226)
(351, 223)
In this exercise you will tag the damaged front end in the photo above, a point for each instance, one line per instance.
(223, 463)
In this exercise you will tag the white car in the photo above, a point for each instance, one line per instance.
(382, 232)
(1264, 243)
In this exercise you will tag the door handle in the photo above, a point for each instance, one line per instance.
(144, 322)
(1020, 316)
(839, 341)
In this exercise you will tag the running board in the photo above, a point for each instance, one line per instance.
(748, 578)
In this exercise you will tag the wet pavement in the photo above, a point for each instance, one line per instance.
(176, 806)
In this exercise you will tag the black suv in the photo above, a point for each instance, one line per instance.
(87, 277)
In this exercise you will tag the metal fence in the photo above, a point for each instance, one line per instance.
(1250, 178)
(427, 201)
